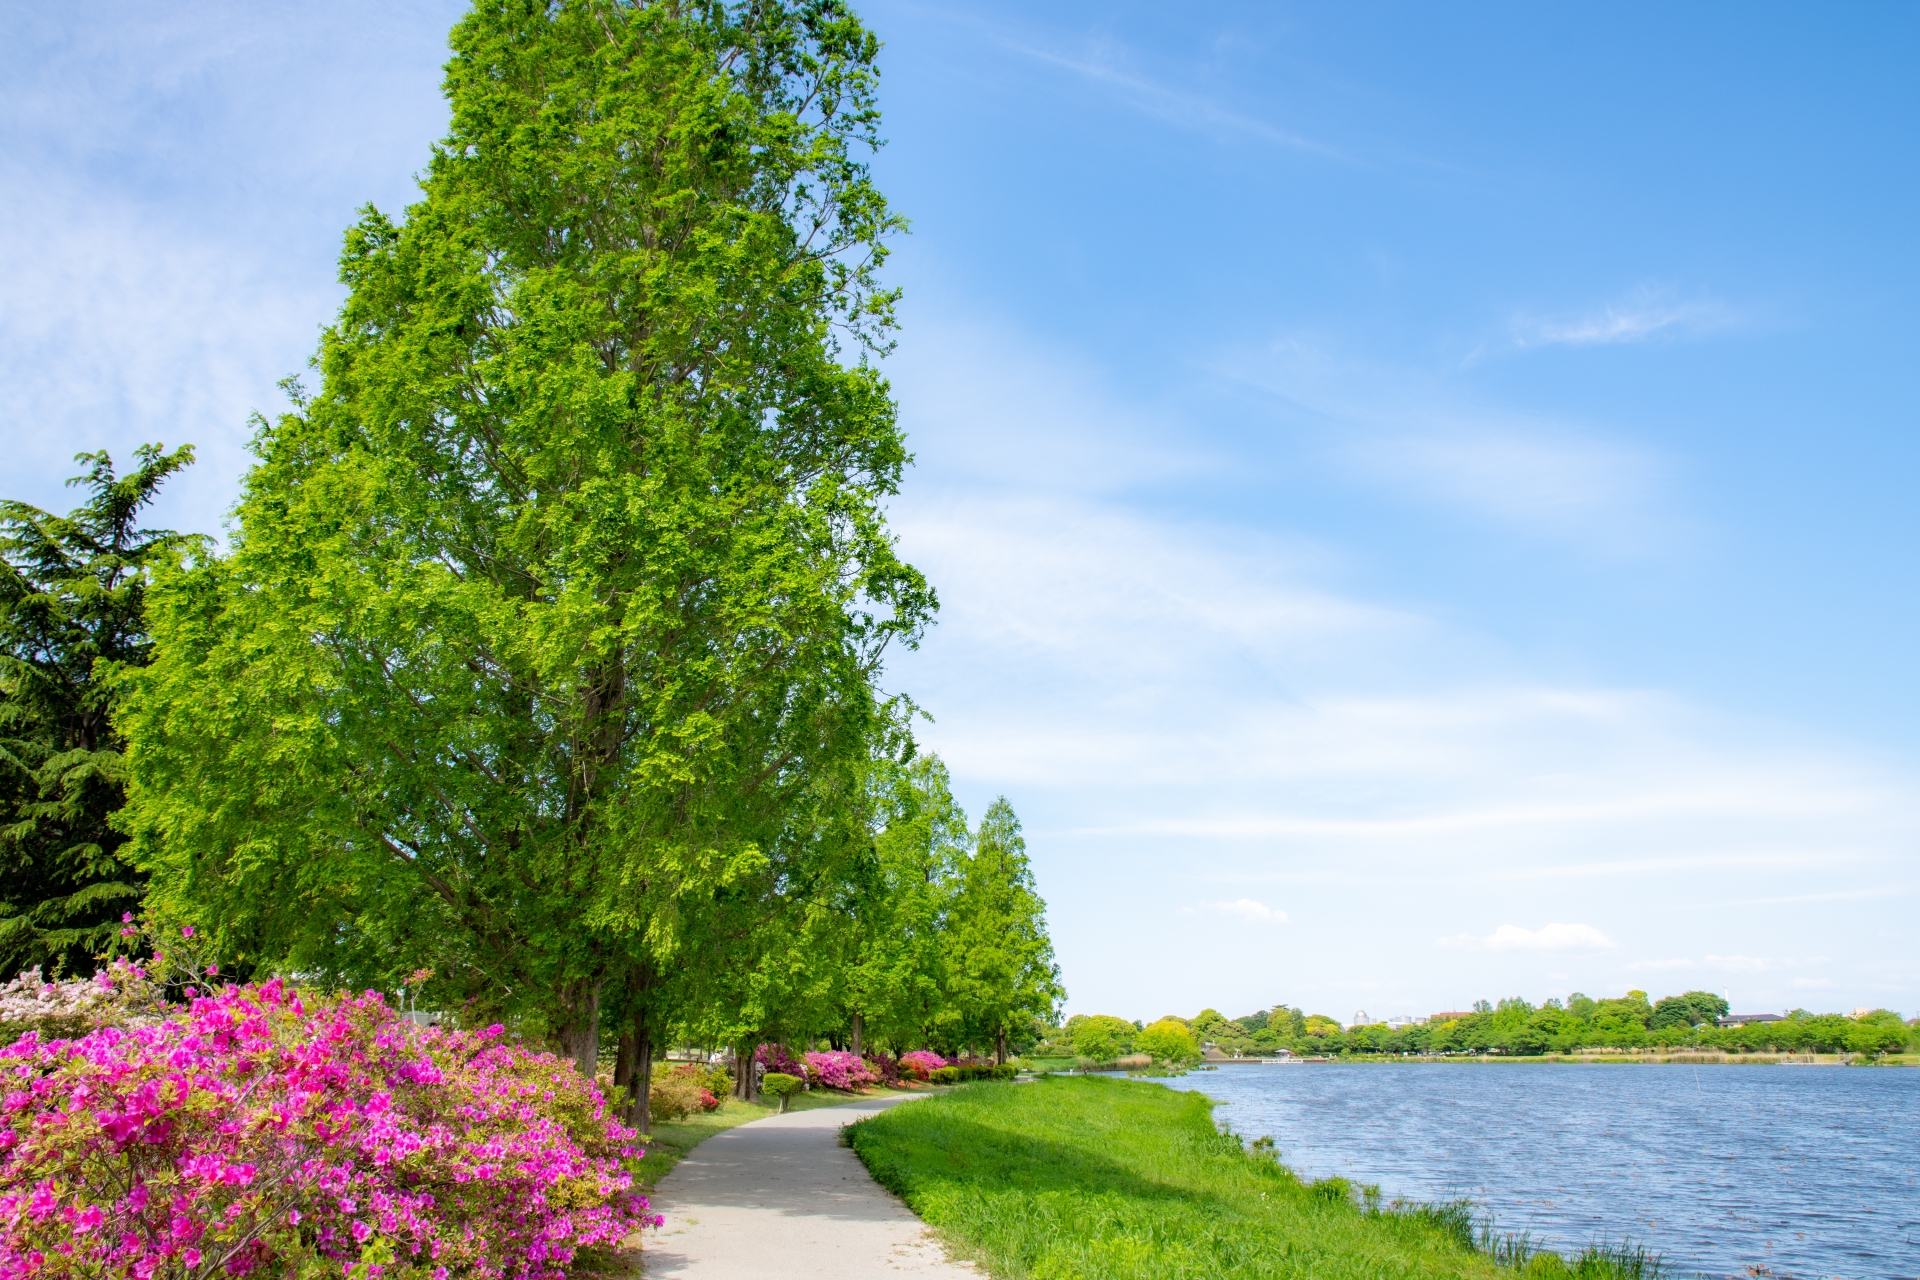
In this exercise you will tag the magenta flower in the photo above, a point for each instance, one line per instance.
(186, 931)
(283, 1127)
(840, 1070)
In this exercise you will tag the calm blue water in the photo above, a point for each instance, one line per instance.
(1805, 1171)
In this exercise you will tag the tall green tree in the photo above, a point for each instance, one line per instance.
(896, 962)
(72, 614)
(547, 614)
(1001, 959)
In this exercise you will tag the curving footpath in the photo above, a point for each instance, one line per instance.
(782, 1198)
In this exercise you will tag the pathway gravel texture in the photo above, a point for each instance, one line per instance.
(781, 1199)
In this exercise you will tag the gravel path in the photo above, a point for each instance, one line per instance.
(781, 1199)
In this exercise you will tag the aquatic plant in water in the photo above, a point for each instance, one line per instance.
(264, 1131)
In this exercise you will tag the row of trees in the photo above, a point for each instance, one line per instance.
(1513, 1026)
(541, 670)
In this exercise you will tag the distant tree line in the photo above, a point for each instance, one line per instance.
(1512, 1027)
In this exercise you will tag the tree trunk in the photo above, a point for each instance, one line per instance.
(1000, 1046)
(640, 1109)
(623, 1064)
(743, 1081)
(580, 1034)
(859, 1027)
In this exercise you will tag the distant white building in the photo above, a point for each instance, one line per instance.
(1360, 1019)
(1403, 1021)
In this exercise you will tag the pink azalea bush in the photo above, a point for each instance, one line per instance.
(263, 1132)
(838, 1070)
(921, 1063)
(774, 1057)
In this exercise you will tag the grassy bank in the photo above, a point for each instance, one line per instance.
(1098, 1179)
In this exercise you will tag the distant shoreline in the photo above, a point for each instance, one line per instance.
(1556, 1059)
(1682, 1059)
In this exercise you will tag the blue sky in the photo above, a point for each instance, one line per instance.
(1420, 498)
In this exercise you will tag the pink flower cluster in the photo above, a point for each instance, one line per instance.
(921, 1063)
(263, 1133)
(838, 1070)
(774, 1057)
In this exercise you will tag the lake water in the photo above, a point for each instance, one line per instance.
(1804, 1171)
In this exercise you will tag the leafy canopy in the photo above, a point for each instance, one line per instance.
(555, 614)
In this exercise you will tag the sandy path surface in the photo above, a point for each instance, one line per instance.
(781, 1199)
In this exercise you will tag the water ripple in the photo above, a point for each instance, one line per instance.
(1807, 1172)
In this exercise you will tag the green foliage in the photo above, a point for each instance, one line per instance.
(1099, 1037)
(961, 1072)
(1167, 1041)
(1514, 1026)
(72, 616)
(1002, 971)
(781, 1085)
(895, 976)
(1208, 1024)
(675, 1095)
(1691, 1009)
(544, 651)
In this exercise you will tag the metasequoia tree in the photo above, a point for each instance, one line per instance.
(1002, 967)
(895, 963)
(72, 614)
(547, 613)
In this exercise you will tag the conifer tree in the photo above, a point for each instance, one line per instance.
(1002, 967)
(72, 614)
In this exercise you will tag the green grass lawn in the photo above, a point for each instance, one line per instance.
(1102, 1179)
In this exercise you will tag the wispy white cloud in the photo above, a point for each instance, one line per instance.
(1741, 964)
(174, 181)
(1248, 909)
(1179, 703)
(1642, 317)
(1551, 937)
(1417, 433)
(1877, 892)
(1659, 966)
(1164, 102)
(1546, 479)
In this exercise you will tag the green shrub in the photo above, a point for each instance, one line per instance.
(679, 1090)
(781, 1085)
(961, 1072)
(717, 1080)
